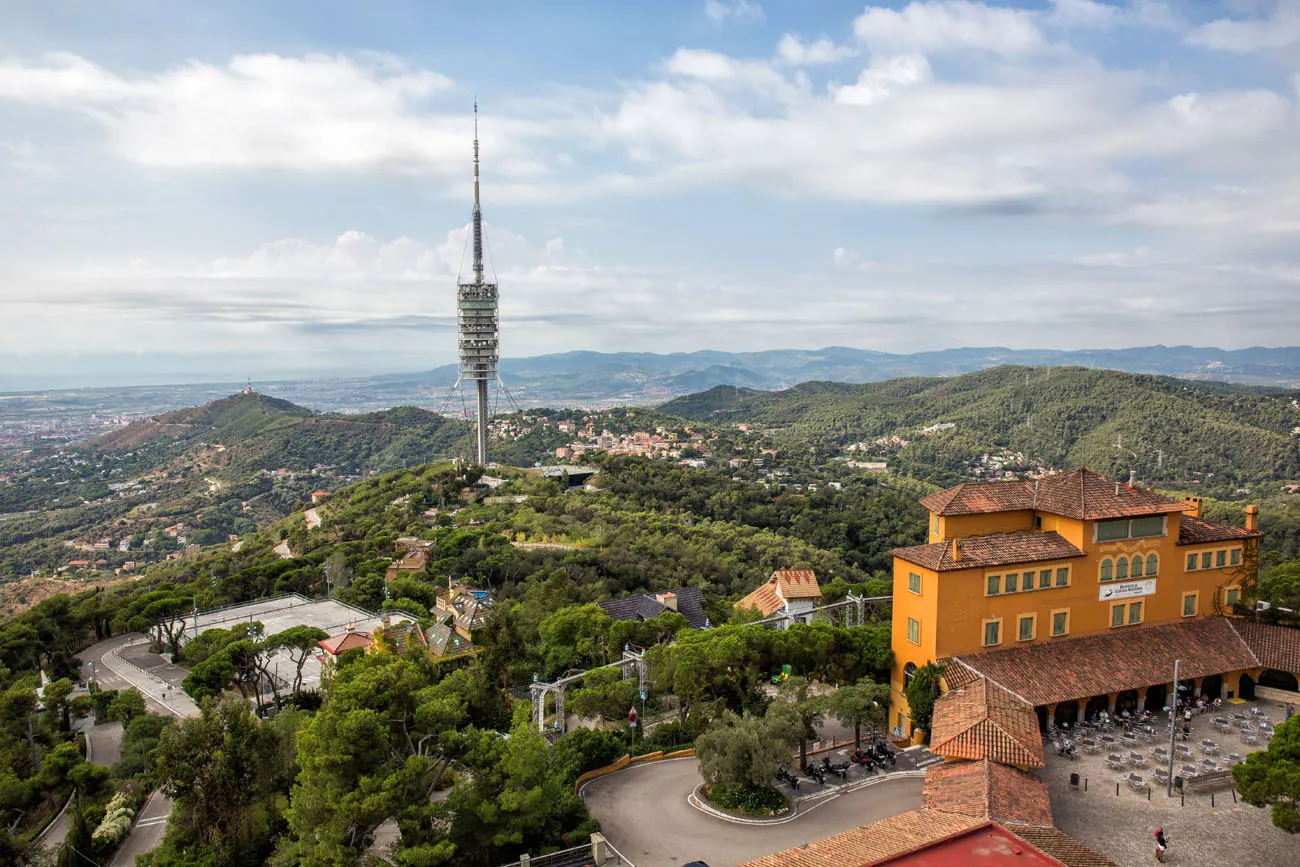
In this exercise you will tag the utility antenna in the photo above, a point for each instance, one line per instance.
(476, 305)
(1160, 459)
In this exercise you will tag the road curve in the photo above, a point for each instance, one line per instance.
(643, 811)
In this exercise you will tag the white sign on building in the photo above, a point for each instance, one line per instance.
(1127, 589)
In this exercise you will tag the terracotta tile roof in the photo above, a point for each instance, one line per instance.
(984, 721)
(978, 498)
(797, 583)
(1065, 669)
(1080, 494)
(874, 843)
(987, 790)
(1195, 531)
(446, 643)
(1275, 646)
(403, 636)
(764, 599)
(337, 644)
(1059, 845)
(997, 549)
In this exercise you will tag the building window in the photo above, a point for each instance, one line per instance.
(909, 671)
(1011, 582)
(1107, 570)
(914, 583)
(1137, 566)
(1205, 560)
(1038, 522)
(913, 630)
(1121, 568)
(1235, 558)
(1191, 563)
(1063, 577)
(1220, 559)
(1060, 622)
(1130, 528)
(1231, 596)
(992, 632)
(1027, 624)
(1117, 614)
(1153, 565)
(994, 583)
(1044, 579)
(934, 524)
(1134, 613)
(1189, 604)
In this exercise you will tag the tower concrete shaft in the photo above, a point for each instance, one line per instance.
(476, 305)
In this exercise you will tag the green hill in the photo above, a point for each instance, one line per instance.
(1171, 430)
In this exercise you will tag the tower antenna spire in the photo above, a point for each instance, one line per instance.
(477, 317)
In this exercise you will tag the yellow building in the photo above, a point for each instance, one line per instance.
(1012, 568)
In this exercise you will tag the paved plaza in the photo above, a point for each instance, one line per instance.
(1206, 827)
(277, 615)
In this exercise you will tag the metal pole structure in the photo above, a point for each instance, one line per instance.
(1173, 718)
(477, 318)
(481, 387)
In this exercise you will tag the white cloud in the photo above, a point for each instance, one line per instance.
(883, 78)
(264, 111)
(948, 25)
(797, 53)
(1279, 30)
(740, 10)
(1152, 14)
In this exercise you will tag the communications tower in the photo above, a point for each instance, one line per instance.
(476, 308)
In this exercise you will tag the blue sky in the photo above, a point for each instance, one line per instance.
(200, 189)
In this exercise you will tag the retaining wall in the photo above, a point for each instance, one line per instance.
(623, 761)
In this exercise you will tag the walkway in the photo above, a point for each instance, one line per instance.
(643, 812)
(103, 747)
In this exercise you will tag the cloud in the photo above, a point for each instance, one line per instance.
(883, 78)
(315, 113)
(796, 53)
(1152, 14)
(1279, 30)
(739, 10)
(948, 25)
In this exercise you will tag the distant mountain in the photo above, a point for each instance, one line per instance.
(1163, 428)
(642, 377)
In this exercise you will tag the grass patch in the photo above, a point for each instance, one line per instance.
(760, 801)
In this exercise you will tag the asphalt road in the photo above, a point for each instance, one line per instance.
(644, 813)
(103, 747)
(147, 832)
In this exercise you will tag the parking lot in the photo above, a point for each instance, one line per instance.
(277, 615)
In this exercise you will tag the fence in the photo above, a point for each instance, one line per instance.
(623, 761)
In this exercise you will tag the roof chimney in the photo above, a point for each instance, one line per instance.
(1252, 517)
(1195, 503)
(956, 551)
(667, 600)
(1132, 478)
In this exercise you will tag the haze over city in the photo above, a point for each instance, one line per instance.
(217, 189)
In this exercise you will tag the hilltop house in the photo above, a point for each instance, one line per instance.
(465, 607)
(335, 646)
(686, 601)
(792, 592)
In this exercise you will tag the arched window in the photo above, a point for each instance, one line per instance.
(909, 671)
(1137, 566)
(1121, 569)
(1107, 569)
(1153, 565)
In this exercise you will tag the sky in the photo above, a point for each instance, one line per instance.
(224, 189)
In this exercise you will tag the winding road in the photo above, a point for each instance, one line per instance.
(644, 813)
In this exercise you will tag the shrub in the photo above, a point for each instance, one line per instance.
(750, 800)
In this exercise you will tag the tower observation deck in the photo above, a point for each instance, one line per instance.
(477, 322)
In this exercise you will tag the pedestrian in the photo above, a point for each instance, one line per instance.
(1162, 843)
(1290, 709)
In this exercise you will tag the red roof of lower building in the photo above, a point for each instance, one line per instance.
(337, 644)
(1065, 669)
(1276, 647)
(982, 552)
(764, 599)
(984, 721)
(987, 790)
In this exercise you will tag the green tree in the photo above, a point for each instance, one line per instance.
(921, 691)
(858, 703)
(126, 705)
(1271, 777)
(298, 642)
(808, 710)
(745, 750)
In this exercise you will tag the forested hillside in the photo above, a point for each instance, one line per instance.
(1171, 430)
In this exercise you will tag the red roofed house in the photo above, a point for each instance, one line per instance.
(335, 646)
(792, 592)
(317, 496)
(1072, 591)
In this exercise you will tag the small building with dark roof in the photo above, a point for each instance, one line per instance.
(686, 601)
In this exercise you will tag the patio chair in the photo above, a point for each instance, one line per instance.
(1116, 763)
(1161, 776)
(1137, 760)
(1136, 783)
